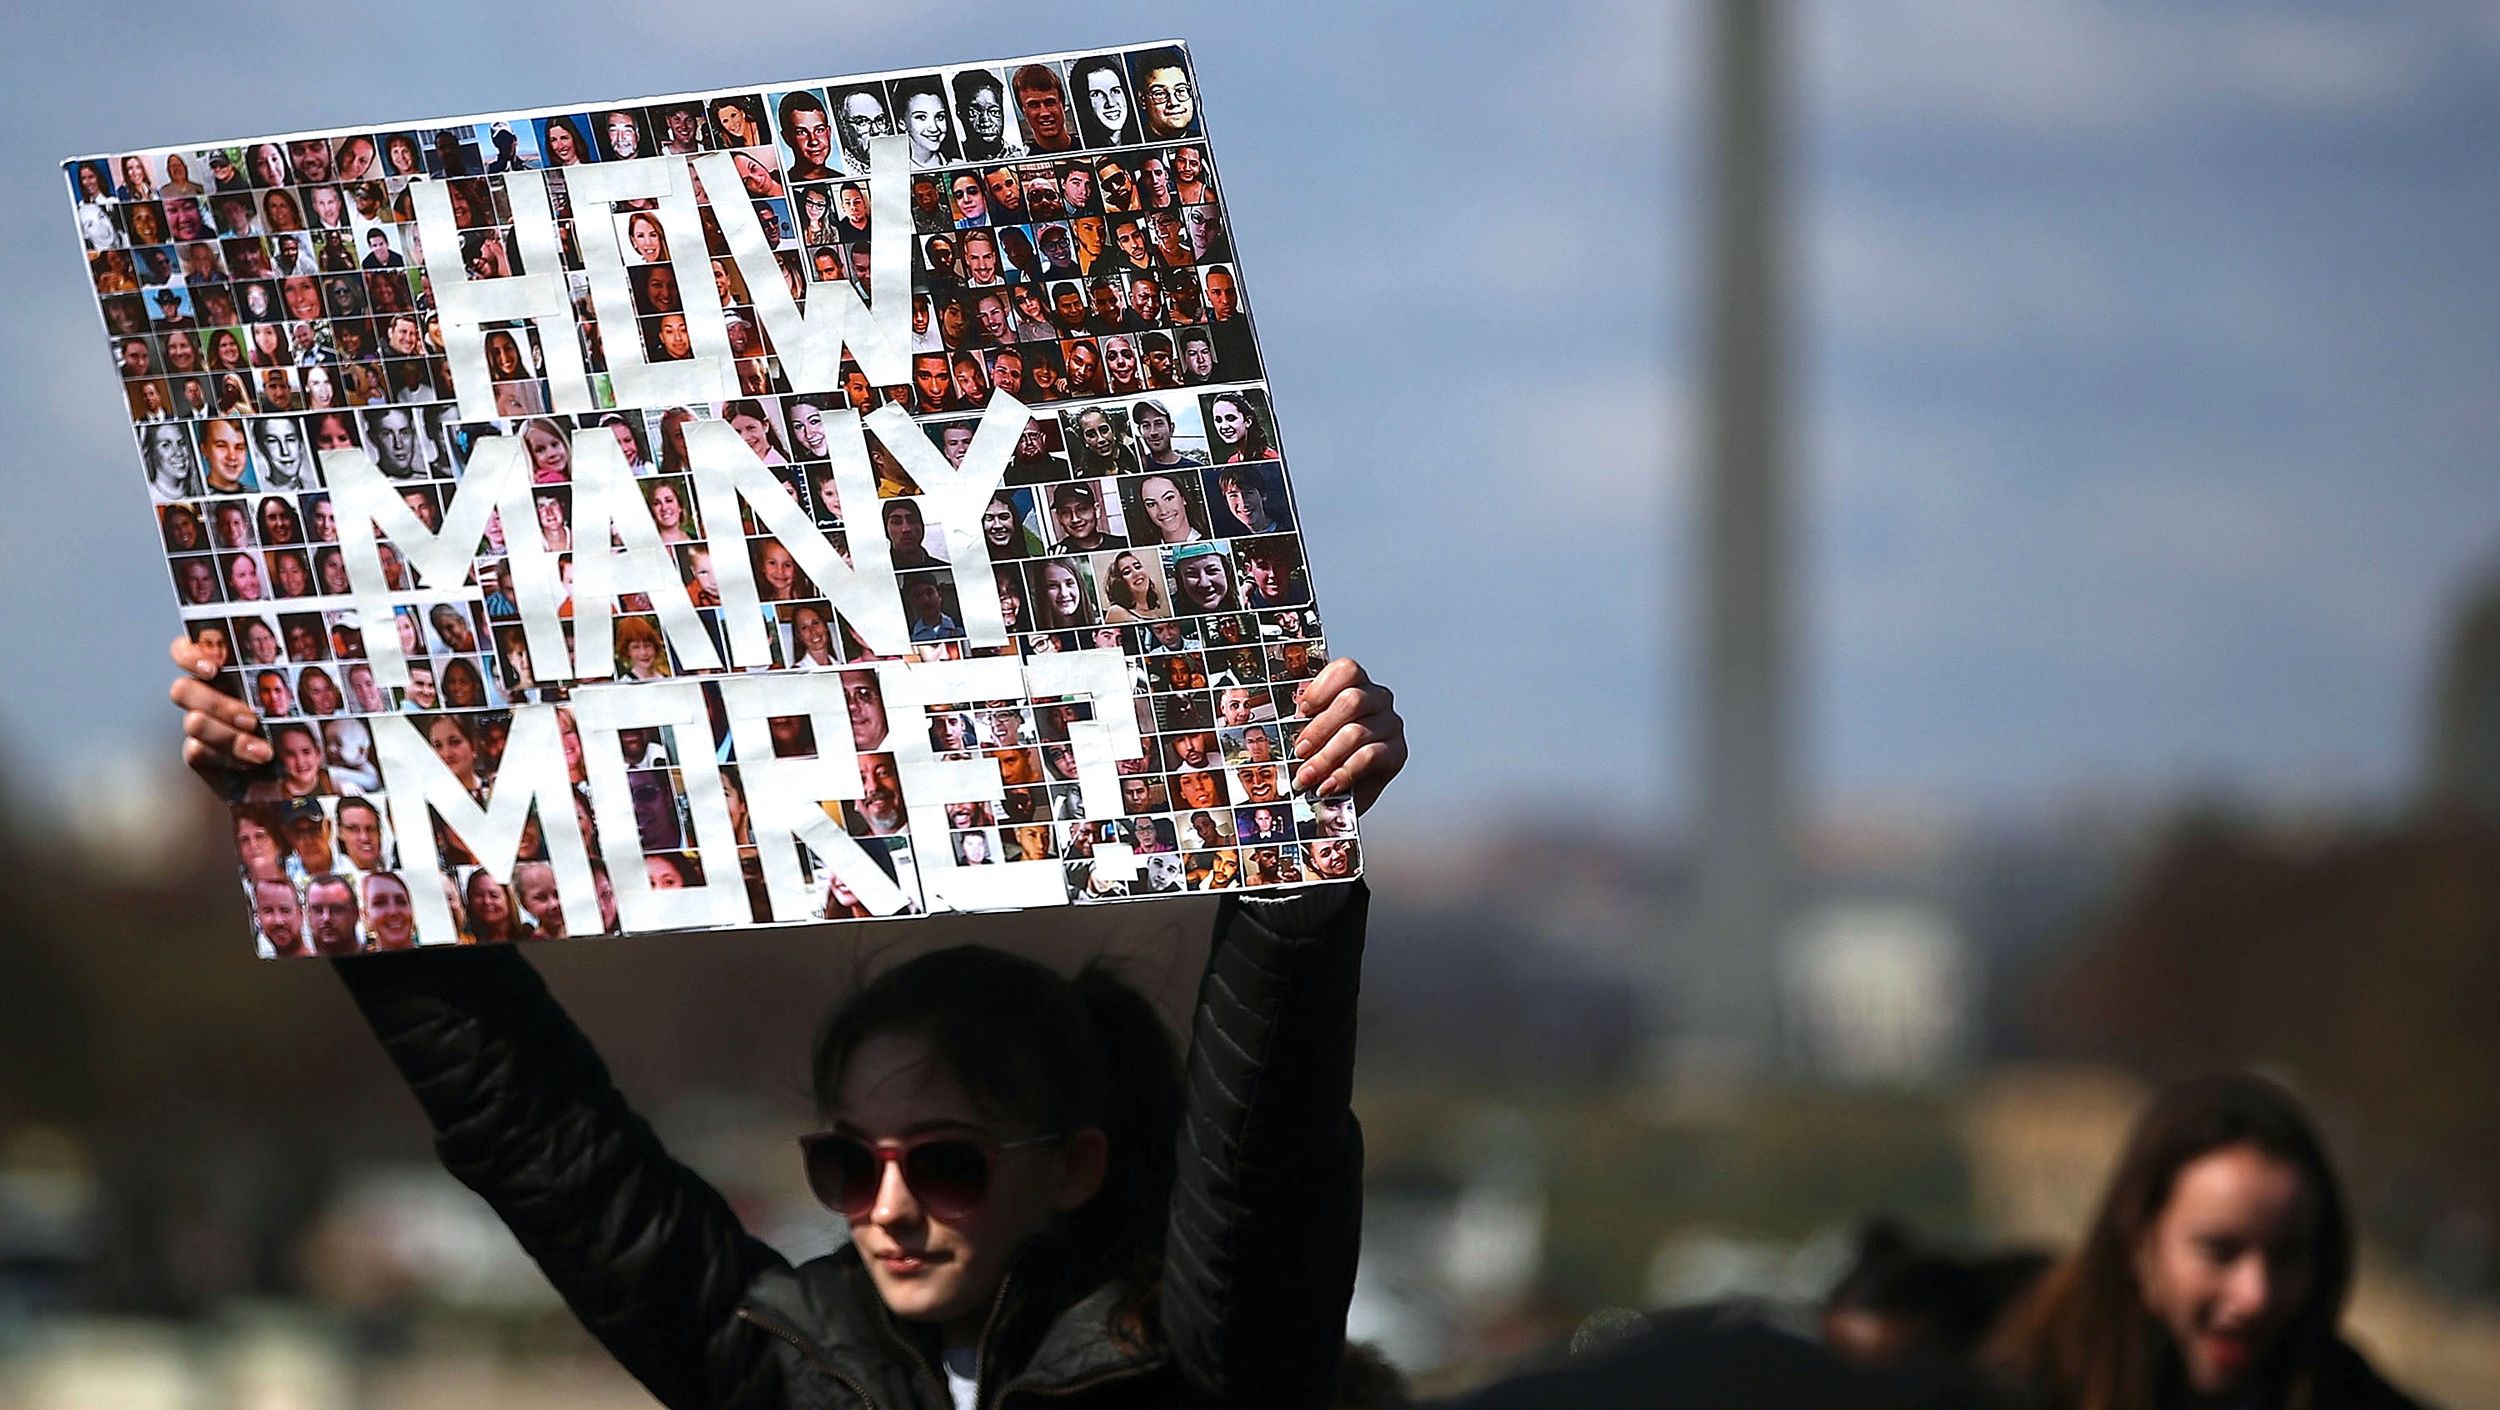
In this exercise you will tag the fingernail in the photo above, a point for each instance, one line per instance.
(256, 751)
(203, 668)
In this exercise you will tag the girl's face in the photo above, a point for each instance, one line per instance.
(946, 1272)
(814, 638)
(1109, 97)
(321, 696)
(561, 148)
(2227, 1265)
(1059, 585)
(1205, 582)
(451, 745)
(1166, 508)
(301, 758)
(752, 431)
(1010, 601)
(489, 906)
(998, 524)
(549, 455)
(665, 510)
(647, 242)
(1131, 572)
(925, 120)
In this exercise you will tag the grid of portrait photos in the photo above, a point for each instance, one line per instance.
(268, 301)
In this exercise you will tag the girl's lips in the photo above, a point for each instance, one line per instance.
(2231, 1350)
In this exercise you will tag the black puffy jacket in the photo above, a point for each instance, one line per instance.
(1259, 1256)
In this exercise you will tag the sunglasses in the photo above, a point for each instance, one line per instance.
(948, 1175)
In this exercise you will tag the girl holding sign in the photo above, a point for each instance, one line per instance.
(1042, 1203)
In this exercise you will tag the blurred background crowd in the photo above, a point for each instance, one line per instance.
(2132, 586)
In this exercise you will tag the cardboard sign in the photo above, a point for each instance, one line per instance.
(851, 499)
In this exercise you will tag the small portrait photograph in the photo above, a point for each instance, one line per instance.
(286, 455)
(1106, 110)
(930, 607)
(1060, 595)
(509, 147)
(861, 111)
(1176, 671)
(1130, 586)
(355, 157)
(1166, 94)
(1295, 659)
(1203, 578)
(1199, 790)
(804, 123)
(172, 460)
(229, 522)
(676, 128)
(1272, 571)
(1083, 361)
(451, 152)
(1082, 520)
(921, 116)
(985, 125)
(734, 120)
(1163, 508)
(1168, 431)
(1143, 793)
(1239, 706)
(307, 636)
(198, 580)
(620, 135)
(1162, 871)
(1116, 188)
(255, 639)
(1098, 442)
(1249, 497)
(809, 639)
(1054, 257)
(967, 199)
(317, 691)
(1028, 842)
(977, 847)
(289, 572)
(1007, 373)
(640, 237)
(1009, 526)
(565, 140)
(1236, 665)
(1239, 428)
(225, 455)
(182, 528)
(1253, 743)
(1038, 93)
(1214, 870)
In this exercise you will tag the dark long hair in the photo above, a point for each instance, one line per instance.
(2083, 1340)
(1061, 1053)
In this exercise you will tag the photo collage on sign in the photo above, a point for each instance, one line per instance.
(265, 302)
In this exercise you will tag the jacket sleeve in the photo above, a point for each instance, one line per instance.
(646, 1253)
(1267, 1205)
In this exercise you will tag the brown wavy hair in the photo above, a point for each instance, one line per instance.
(2084, 1340)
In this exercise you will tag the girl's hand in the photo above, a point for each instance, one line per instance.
(1355, 742)
(220, 734)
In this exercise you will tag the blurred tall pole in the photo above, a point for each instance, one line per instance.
(1728, 1018)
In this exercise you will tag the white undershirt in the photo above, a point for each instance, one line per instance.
(963, 1369)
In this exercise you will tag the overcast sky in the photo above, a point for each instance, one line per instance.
(2144, 402)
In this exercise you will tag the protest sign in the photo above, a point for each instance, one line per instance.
(843, 499)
